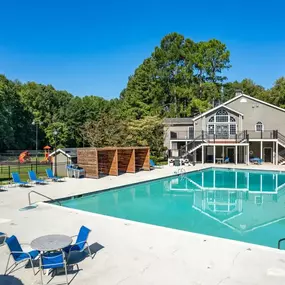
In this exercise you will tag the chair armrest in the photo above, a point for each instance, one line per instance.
(78, 243)
(21, 252)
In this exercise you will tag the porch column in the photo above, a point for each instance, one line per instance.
(214, 154)
(274, 153)
(236, 156)
(202, 154)
(186, 146)
(261, 149)
(247, 157)
(277, 154)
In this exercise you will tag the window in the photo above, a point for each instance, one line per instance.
(232, 119)
(211, 119)
(222, 112)
(211, 129)
(233, 129)
(222, 116)
(259, 127)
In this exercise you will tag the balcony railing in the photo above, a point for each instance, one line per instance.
(184, 135)
(266, 134)
(251, 134)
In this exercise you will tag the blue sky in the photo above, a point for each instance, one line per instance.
(91, 47)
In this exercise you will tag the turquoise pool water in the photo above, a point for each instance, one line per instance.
(235, 204)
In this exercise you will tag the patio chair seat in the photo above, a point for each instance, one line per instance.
(74, 247)
(33, 254)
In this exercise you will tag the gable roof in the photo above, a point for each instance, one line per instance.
(235, 98)
(216, 108)
(68, 152)
(254, 99)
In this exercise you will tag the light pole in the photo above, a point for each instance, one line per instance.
(36, 124)
(55, 133)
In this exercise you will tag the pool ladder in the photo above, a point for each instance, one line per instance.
(40, 194)
(279, 242)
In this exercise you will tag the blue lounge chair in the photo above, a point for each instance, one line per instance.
(53, 260)
(34, 179)
(18, 254)
(81, 242)
(17, 180)
(153, 165)
(227, 160)
(256, 160)
(52, 177)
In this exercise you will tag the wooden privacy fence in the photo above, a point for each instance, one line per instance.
(113, 160)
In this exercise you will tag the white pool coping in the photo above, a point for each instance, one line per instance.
(137, 253)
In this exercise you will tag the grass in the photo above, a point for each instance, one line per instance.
(22, 169)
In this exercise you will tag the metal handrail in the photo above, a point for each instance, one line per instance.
(29, 197)
(279, 242)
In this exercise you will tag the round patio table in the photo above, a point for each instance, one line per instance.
(51, 242)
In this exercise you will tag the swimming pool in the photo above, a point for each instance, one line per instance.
(236, 204)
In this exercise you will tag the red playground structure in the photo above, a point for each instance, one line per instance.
(47, 152)
(25, 157)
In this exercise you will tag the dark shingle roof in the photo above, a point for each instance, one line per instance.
(178, 121)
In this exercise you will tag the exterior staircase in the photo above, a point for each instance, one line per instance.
(281, 153)
(205, 139)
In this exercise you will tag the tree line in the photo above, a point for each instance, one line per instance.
(181, 78)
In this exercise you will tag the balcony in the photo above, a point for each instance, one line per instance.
(184, 135)
(202, 135)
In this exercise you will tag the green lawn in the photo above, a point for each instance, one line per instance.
(22, 169)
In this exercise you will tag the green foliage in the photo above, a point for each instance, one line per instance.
(147, 131)
(179, 74)
(276, 95)
(59, 138)
(15, 122)
(107, 131)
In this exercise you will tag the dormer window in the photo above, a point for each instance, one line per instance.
(259, 127)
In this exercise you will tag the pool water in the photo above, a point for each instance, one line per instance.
(241, 205)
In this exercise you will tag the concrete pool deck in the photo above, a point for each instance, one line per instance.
(134, 253)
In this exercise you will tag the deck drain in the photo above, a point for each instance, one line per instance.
(28, 208)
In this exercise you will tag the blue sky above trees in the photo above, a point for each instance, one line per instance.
(91, 47)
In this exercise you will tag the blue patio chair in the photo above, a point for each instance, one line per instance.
(17, 180)
(256, 160)
(34, 179)
(81, 242)
(227, 160)
(153, 165)
(18, 254)
(53, 260)
(52, 177)
(3, 237)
